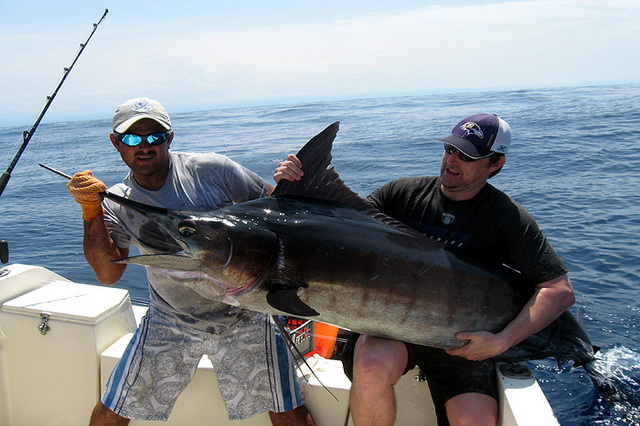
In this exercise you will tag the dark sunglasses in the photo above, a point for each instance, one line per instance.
(450, 149)
(135, 140)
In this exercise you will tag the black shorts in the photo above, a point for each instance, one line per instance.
(447, 375)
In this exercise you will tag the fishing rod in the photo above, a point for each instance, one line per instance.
(26, 135)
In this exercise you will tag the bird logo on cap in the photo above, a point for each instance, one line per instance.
(142, 106)
(472, 129)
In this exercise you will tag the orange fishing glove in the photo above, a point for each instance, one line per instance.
(86, 189)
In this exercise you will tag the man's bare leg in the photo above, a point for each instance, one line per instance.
(297, 417)
(102, 416)
(377, 366)
(472, 409)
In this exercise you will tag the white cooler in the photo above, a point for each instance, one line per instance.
(50, 344)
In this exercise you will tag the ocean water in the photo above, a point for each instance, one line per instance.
(574, 164)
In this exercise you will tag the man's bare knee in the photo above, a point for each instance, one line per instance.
(472, 409)
(379, 360)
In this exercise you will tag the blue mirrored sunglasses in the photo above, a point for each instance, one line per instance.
(135, 140)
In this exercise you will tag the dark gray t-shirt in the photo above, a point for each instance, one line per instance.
(490, 227)
(195, 182)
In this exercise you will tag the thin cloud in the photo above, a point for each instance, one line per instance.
(193, 66)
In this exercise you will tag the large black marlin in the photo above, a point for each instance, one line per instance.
(315, 249)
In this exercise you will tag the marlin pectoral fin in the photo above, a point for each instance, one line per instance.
(167, 261)
(284, 297)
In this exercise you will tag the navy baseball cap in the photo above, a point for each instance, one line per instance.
(480, 135)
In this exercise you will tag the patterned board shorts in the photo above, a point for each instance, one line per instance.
(253, 366)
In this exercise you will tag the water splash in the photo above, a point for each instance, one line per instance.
(621, 365)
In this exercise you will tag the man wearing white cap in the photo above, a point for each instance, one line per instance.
(463, 211)
(181, 325)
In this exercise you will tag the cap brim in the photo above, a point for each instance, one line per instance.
(124, 126)
(465, 146)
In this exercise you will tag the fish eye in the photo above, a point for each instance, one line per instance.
(187, 227)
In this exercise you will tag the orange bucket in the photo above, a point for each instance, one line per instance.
(325, 339)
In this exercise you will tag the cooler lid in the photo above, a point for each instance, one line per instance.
(69, 301)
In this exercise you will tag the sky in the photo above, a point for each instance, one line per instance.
(209, 54)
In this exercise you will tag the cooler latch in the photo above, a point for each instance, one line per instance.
(44, 327)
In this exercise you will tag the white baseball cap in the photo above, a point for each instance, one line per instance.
(136, 109)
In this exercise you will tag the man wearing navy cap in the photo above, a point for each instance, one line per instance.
(467, 214)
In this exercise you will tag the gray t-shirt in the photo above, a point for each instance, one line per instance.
(195, 182)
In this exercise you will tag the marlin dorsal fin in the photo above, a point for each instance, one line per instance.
(321, 181)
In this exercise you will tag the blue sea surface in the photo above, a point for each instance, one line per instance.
(574, 164)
